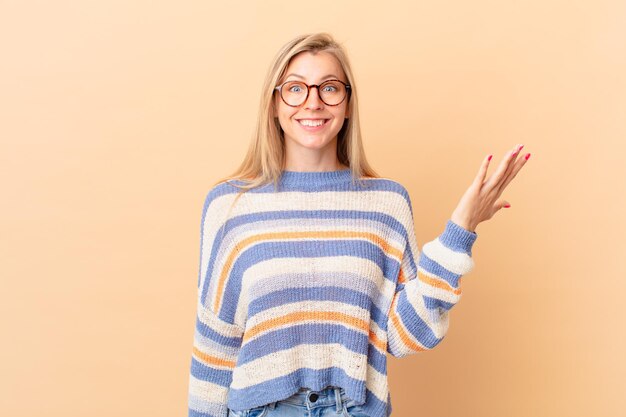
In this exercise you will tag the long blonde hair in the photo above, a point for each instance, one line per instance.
(264, 161)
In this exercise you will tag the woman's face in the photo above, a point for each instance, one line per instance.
(312, 69)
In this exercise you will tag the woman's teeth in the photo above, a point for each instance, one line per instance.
(307, 122)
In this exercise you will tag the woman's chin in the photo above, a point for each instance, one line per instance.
(313, 142)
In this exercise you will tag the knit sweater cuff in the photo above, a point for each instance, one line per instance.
(458, 238)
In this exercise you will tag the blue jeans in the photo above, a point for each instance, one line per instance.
(329, 402)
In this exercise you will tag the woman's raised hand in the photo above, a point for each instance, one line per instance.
(480, 201)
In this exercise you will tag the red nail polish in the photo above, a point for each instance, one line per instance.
(489, 159)
(507, 205)
(527, 156)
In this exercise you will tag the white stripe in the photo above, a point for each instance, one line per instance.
(207, 391)
(377, 383)
(456, 262)
(284, 362)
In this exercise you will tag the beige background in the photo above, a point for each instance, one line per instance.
(117, 116)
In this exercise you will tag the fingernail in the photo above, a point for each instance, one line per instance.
(527, 156)
(489, 159)
(507, 205)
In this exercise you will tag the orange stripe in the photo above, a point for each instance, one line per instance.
(401, 277)
(241, 246)
(305, 315)
(437, 283)
(399, 327)
(212, 360)
(374, 340)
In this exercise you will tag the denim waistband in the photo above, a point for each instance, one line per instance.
(328, 396)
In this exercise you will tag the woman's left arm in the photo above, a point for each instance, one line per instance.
(429, 280)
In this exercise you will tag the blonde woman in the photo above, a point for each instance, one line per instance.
(310, 272)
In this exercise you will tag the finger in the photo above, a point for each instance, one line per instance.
(510, 167)
(518, 166)
(500, 205)
(482, 172)
(496, 179)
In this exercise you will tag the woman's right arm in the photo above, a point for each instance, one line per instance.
(216, 342)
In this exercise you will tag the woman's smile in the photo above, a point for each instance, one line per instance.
(312, 125)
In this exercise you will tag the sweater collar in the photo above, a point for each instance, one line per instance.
(315, 177)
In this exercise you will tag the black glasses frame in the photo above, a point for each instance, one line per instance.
(308, 90)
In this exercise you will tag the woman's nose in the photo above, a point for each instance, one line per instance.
(313, 100)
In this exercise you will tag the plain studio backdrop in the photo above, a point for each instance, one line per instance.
(117, 116)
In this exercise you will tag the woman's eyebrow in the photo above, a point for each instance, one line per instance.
(300, 76)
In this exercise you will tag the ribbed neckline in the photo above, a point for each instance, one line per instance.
(315, 177)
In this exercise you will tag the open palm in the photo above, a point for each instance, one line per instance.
(480, 201)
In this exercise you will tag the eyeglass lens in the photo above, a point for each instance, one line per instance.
(331, 92)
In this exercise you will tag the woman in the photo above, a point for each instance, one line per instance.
(310, 272)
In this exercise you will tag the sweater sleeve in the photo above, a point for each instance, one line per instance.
(428, 287)
(216, 342)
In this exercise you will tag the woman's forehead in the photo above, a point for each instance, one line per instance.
(311, 67)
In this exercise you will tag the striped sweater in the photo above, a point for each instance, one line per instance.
(310, 282)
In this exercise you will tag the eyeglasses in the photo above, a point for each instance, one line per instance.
(331, 92)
